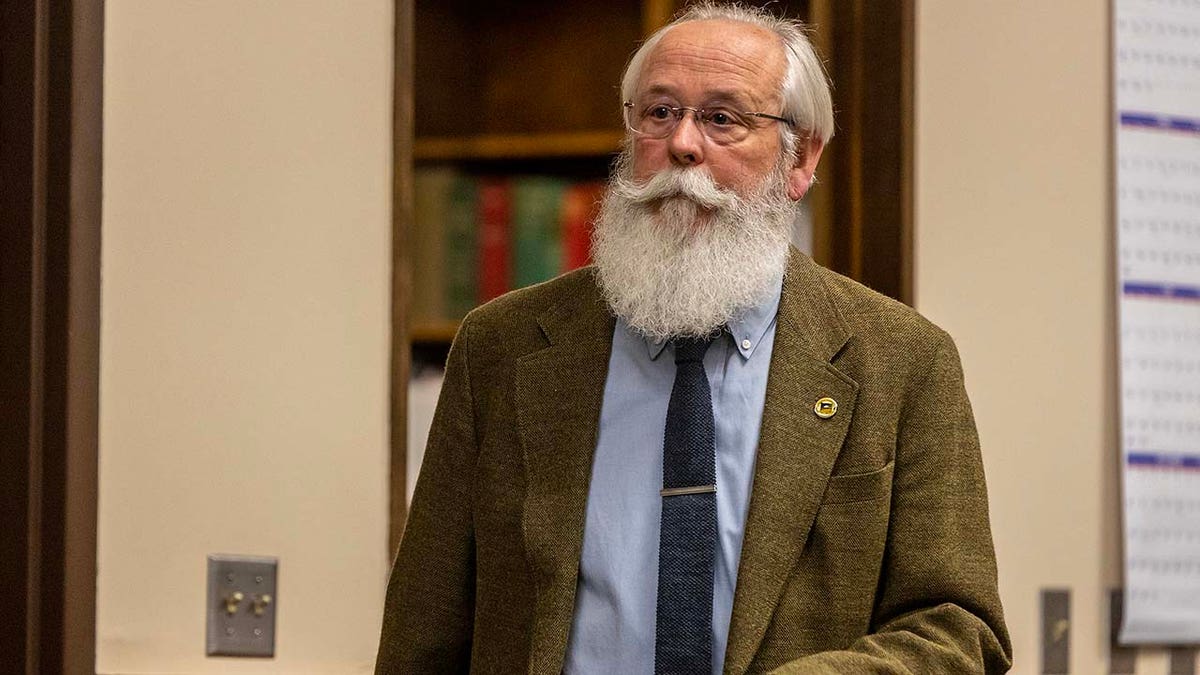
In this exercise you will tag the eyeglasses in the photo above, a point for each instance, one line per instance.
(720, 125)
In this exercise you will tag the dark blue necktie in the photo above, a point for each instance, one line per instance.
(687, 540)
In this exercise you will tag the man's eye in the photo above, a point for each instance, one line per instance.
(658, 112)
(721, 118)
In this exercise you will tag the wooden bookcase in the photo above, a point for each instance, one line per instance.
(512, 88)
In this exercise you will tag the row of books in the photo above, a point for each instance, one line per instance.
(477, 237)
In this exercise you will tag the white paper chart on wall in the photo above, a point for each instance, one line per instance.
(1157, 73)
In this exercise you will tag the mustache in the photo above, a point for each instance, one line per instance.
(693, 184)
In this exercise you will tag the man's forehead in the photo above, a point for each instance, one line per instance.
(722, 56)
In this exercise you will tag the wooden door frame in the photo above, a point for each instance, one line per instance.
(51, 75)
(402, 213)
(863, 204)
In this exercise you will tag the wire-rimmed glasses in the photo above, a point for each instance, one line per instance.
(720, 125)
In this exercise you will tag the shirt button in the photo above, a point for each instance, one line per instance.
(746, 344)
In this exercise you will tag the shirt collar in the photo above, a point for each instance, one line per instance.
(746, 329)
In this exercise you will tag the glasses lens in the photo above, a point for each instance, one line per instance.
(656, 120)
(724, 126)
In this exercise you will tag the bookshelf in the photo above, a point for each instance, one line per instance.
(517, 146)
(517, 93)
(433, 331)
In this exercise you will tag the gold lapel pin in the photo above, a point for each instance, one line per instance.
(825, 408)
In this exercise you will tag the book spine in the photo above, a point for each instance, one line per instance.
(494, 235)
(460, 259)
(581, 203)
(430, 199)
(537, 203)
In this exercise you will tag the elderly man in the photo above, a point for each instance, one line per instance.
(705, 453)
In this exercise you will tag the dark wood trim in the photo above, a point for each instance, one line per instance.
(820, 197)
(908, 146)
(81, 473)
(855, 112)
(51, 64)
(17, 67)
(402, 210)
(871, 156)
(656, 14)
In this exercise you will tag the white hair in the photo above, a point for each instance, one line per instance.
(805, 87)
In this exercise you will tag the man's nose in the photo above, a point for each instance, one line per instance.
(686, 142)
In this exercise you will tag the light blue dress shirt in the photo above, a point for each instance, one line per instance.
(613, 627)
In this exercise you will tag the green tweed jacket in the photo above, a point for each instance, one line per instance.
(867, 545)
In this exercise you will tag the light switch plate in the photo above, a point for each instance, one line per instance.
(241, 605)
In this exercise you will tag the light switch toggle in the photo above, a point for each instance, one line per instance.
(261, 602)
(232, 601)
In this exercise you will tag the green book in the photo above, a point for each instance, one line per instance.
(460, 254)
(431, 194)
(537, 241)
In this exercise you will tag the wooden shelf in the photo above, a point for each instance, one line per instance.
(433, 331)
(526, 146)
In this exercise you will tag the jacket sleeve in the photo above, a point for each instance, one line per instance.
(429, 612)
(937, 607)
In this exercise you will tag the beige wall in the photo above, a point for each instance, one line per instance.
(1014, 258)
(245, 299)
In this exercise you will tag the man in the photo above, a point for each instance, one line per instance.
(706, 453)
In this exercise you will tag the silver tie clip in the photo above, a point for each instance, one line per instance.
(695, 490)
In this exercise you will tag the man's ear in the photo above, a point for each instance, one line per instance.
(800, 178)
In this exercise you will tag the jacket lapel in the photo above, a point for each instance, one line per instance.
(796, 452)
(558, 393)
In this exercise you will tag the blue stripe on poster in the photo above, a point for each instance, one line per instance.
(1161, 460)
(1155, 289)
(1166, 122)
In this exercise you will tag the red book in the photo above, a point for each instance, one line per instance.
(581, 202)
(495, 226)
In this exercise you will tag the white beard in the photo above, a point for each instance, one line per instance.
(680, 256)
